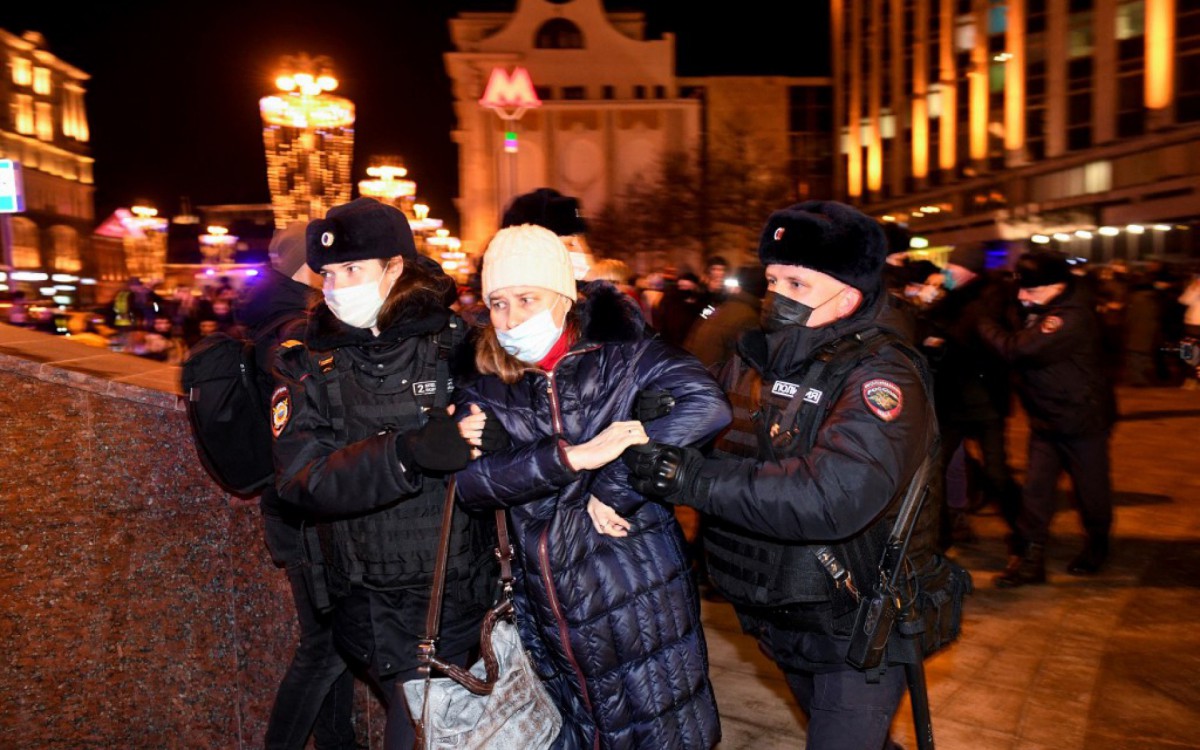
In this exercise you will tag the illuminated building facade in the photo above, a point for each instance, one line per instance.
(309, 138)
(1066, 123)
(612, 106)
(43, 125)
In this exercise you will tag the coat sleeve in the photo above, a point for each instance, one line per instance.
(515, 476)
(852, 472)
(313, 469)
(701, 411)
(1053, 337)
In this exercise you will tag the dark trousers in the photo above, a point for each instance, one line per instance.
(401, 733)
(1085, 459)
(998, 485)
(845, 712)
(316, 695)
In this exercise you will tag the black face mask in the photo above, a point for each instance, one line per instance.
(1033, 308)
(778, 312)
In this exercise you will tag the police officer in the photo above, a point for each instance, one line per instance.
(316, 694)
(363, 442)
(832, 419)
(1069, 399)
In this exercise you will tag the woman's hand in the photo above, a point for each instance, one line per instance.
(606, 520)
(606, 446)
(471, 429)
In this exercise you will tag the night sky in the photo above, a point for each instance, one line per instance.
(173, 96)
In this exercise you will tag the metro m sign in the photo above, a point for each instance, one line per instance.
(12, 188)
(510, 95)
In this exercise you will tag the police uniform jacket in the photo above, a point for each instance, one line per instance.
(611, 624)
(1058, 357)
(378, 519)
(276, 312)
(875, 433)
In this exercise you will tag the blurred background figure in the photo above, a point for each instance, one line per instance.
(713, 340)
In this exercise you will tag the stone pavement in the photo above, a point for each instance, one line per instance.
(1111, 661)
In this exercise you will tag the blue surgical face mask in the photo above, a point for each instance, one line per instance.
(533, 339)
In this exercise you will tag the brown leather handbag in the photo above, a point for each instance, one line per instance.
(499, 702)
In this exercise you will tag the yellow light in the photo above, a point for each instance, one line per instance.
(387, 172)
(1083, 234)
(1040, 239)
(421, 211)
(918, 243)
(449, 265)
(1135, 229)
(1162, 227)
(443, 233)
(327, 82)
(285, 83)
(918, 215)
(144, 212)
(1160, 53)
(888, 217)
(1108, 231)
(1062, 236)
(920, 138)
(215, 229)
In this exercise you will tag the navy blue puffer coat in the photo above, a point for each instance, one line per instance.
(612, 624)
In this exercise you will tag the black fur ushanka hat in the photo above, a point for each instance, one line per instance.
(547, 208)
(829, 237)
(363, 228)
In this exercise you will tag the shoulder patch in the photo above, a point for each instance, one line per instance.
(291, 342)
(281, 409)
(884, 398)
(1051, 323)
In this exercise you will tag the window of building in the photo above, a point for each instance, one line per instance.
(998, 17)
(996, 73)
(559, 33)
(22, 112)
(22, 71)
(1080, 39)
(639, 92)
(964, 33)
(1131, 19)
(660, 92)
(26, 248)
(41, 81)
(45, 121)
(544, 93)
(574, 92)
(609, 92)
(64, 244)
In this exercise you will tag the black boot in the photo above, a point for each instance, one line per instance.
(1092, 558)
(1026, 569)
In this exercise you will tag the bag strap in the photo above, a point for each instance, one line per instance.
(427, 648)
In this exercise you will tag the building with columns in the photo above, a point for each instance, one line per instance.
(613, 107)
(43, 125)
(1070, 123)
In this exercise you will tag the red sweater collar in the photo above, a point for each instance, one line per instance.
(560, 348)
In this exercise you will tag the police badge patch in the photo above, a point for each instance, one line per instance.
(281, 409)
(1051, 324)
(883, 398)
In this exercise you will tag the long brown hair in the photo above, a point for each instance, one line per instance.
(493, 359)
(418, 284)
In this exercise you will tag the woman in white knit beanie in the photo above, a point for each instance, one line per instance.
(605, 601)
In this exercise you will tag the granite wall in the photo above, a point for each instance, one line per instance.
(138, 605)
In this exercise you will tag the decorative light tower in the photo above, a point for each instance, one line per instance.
(145, 242)
(388, 184)
(309, 138)
(217, 246)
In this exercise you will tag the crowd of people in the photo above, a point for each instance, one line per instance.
(764, 434)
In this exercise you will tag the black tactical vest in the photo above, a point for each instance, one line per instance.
(780, 419)
(396, 546)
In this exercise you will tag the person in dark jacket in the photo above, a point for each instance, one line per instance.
(714, 339)
(605, 604)
(363, 443)
(316, 694)
(971, 386)
(1068, 396)
(832, 420)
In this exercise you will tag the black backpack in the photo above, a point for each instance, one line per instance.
(230, 424)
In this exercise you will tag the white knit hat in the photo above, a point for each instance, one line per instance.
(527, 255)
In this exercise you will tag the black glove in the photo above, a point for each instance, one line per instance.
(494, 436)
(661, 470)
(437, 446)
(650, 405)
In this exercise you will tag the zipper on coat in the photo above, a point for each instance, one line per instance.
(564, 634)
